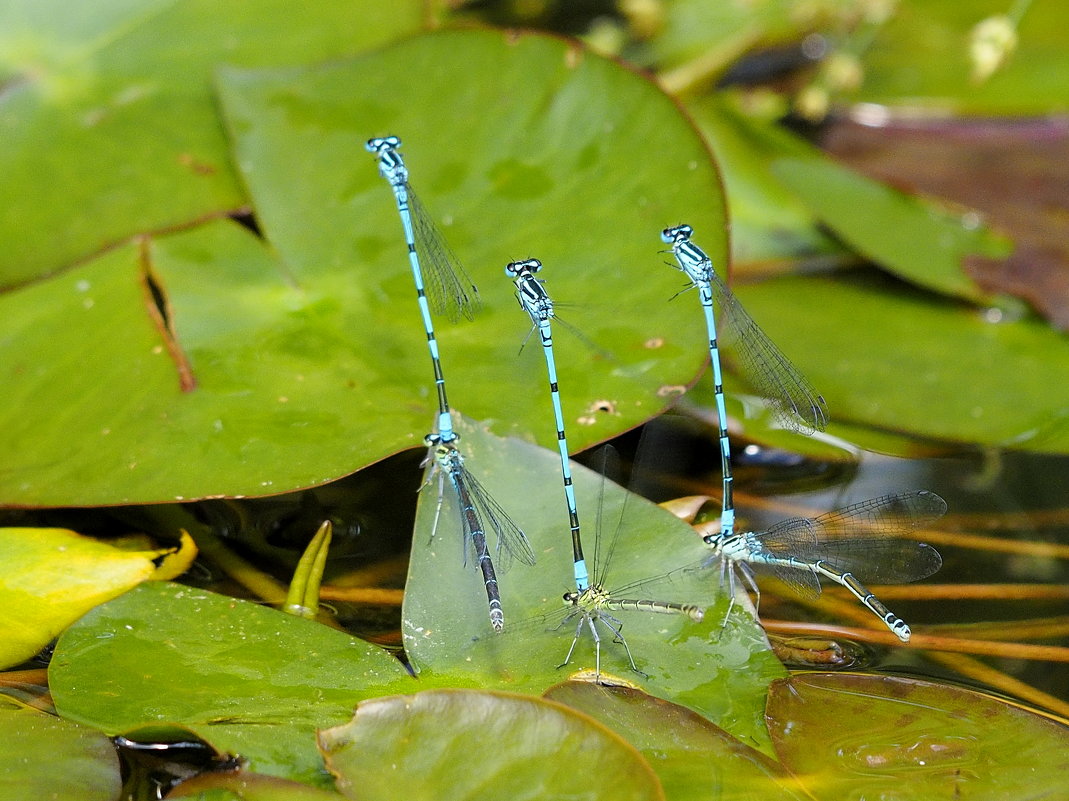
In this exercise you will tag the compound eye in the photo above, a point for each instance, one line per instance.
(380, 143)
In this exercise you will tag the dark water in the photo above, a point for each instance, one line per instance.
(1011, 499)
(1003, 495)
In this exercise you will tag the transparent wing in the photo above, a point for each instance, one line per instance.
(449, 289)
(903, 512)
(448, 504)
(866, 538)
(883, 561)
(794, 401)
(665, 588)
(606, 533)
(788, 537)
(802, 582)
(587, 341)
(511, 541)
(794, 537)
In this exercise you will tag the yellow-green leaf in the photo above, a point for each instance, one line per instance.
(52, 577)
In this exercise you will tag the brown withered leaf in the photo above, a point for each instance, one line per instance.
(1015, 172)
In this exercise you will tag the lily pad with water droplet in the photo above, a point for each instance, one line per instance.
(246, 679)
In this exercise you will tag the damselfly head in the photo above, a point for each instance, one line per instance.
(714, 541)
(380, 143)
(432, 440)
(517, 268)
(571, 598)
(678, 233)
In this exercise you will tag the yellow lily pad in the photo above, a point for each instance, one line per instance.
(53, 576)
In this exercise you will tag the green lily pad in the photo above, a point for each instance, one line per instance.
(917, 239)
(693, 758)
(899, 359)
(421, 747)
(42, 757)
(751, 420)
(920, 60)
(109, 124)
(274, 368)
(750, 416)
(714, 35)
(259, 358)
(769, 222)
(856, 736)
(720, 669)
(551, 159)
(246, 679)
(245, 786)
